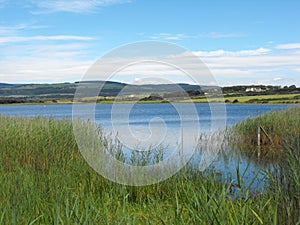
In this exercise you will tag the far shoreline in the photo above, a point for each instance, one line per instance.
(151, 102)
(291, 98)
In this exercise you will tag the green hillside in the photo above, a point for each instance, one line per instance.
(64, 92)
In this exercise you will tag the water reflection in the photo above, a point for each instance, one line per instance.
(224, 159)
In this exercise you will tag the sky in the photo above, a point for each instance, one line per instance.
(240, 42)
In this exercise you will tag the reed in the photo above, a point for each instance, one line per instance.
(283, 155)
(282, 127)
(45, 180)
(285, 183)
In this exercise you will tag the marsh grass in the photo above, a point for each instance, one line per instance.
(281, 126)
(45, 180)
(283, 154)
(285, 183)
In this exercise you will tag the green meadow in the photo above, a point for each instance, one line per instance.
(45, 180)
(257, 99)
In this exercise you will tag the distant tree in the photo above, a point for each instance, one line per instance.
(292, 87)
(152, 97)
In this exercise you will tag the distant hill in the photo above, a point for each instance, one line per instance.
(4, 85)
(110, 88)
(39, 92)
(36, 89)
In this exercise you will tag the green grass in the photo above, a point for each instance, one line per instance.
(44, 180)
(283, 128)
(274, 99)
(258, 99)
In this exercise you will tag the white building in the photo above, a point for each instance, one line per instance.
(253, 89)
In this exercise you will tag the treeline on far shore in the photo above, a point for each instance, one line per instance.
(150, 93)
(33, 100)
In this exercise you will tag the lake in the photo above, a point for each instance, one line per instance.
(161, 124)
(142, 113)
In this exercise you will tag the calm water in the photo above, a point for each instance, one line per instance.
(142, 113)
(153, 124)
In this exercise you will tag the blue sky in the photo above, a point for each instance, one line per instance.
(241, 42)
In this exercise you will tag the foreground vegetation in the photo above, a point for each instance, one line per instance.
(45, 180)
(280, 146)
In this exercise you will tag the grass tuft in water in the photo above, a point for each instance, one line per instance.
(282, 128)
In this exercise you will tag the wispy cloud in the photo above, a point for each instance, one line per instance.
(180, 36)
(68, 62)
(10, 29)
(43, 69)
(221, 35)
(258, 66)
(43, 50)
(75, 6)
(44, 58)
(289, 46)
(167, 36)
(13, 29)
(259, 51)
(44, 38)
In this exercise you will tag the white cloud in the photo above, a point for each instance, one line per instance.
(176, 37)
(255, 61)
(289, 46)
(170, 37)
(76, 6)
(44, 38)
(252, 66)
(43, 69)
(221, 35)
(32, 62)
(210, 54)
(12, 29)
(15, 29)
(62, 62)
(259, 51)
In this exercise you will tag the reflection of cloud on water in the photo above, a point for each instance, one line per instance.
(209, 147)
(135, 137)
(182, 142)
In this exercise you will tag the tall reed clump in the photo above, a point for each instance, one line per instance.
(45, 180)
(285, 182)
(283, 128)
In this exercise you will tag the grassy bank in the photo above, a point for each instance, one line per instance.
(44, 180)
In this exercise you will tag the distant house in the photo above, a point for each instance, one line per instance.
(254, 89)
